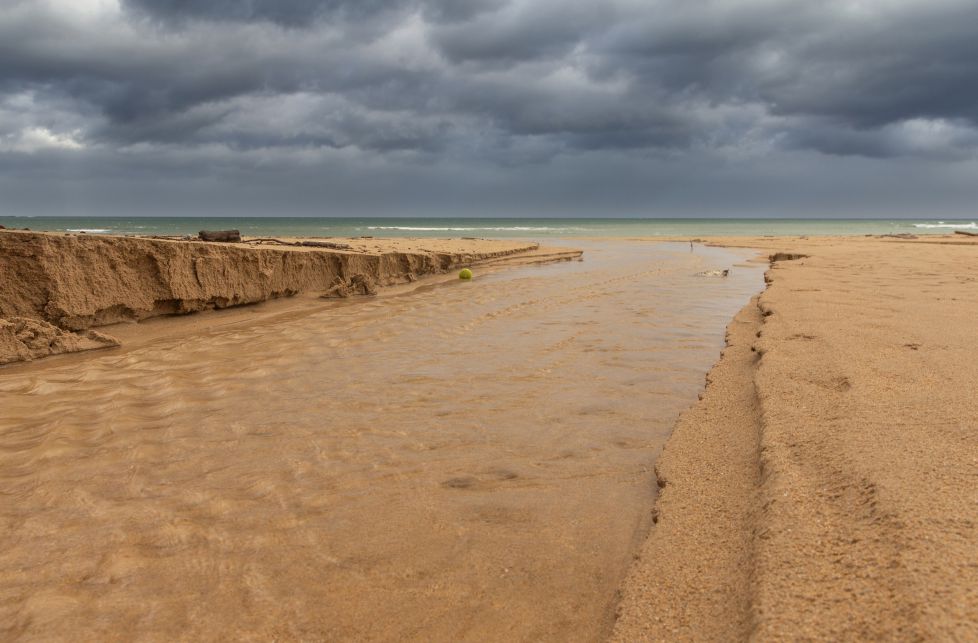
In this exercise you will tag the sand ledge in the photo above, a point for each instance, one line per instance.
(70, 283)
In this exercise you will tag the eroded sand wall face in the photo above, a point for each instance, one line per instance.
(693, 578)
(23, 340)
(79, 282)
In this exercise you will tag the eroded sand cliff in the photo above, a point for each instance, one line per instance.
(23, 339)
(54, 284)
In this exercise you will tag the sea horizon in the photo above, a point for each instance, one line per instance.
(501, 227)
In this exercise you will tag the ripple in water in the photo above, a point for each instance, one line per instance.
(466, 461)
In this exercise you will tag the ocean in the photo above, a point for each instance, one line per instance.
(494, 227)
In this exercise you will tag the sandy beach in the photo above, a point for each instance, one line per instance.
(496, 320)
(444, 460)
(825, 485)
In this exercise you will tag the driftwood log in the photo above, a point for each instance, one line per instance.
(232, 236)
(970, 234)
(312, 244)
(325, 244)
(261, 240)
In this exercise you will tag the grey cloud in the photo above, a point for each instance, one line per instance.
(924, 138)
(487, 85)
(293, 13)
(448, 11)
(522, 31)
(304, 13)
(917, 61)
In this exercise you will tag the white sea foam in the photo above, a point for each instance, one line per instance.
(941, 224)
(475, 229)
(90, 230)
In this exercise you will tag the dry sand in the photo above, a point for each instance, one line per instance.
(826, 485)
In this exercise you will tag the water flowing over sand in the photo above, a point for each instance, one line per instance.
(449, 461)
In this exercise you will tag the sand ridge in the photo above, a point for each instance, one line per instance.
(825, 486)
(692, 576)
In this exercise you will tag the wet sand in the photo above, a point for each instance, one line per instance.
(446, 461)
(826, 486)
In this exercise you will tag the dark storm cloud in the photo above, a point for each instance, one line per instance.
(239, 86)
(302, 13)
(285, 12)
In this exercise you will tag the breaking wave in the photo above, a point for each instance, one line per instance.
(941, 224)
(475, 229)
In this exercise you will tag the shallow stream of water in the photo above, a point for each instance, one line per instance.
(458, 461)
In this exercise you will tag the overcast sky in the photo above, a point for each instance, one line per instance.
(489, 107)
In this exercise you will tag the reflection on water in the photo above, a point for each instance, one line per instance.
(465, 461)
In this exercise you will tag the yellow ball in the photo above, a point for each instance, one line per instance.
(465, 274)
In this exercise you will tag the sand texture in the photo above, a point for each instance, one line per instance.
(826, 485)
(23, 339)
(447, 461)
(76, 282)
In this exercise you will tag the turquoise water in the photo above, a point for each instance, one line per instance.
(461, 227)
